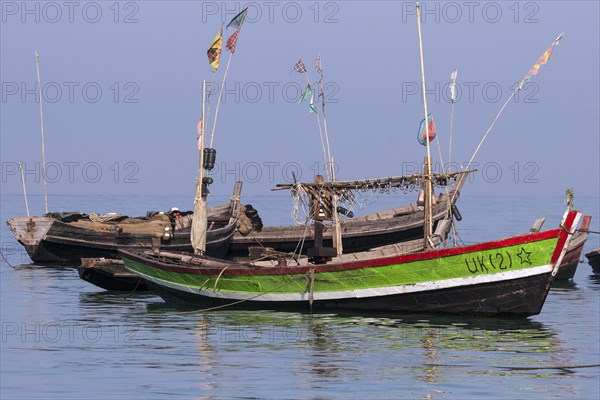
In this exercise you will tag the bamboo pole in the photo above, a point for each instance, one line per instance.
(199, 221)
(428, 189)
(37, 65)
(320, 129)
(336, 218)
(24, 188)
(453, 76)
(212, 135)
(201, 157)
(519, 87)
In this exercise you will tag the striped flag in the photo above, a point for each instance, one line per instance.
(232, 41)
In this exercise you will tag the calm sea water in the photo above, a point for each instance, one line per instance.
(65, 339)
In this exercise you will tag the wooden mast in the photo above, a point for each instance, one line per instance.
(199, 221)
(427, 164)
(337, 241)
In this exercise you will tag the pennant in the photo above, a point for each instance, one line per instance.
(452, 85)
(311, 106)
(200, 132)
(304, 95)
(238, 20)
(232, 41)
(546, 56)
(543, 60)
(214, 52)
(431, 126)
(535, 69)
(299, 67)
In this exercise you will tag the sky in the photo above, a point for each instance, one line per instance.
(122, 89)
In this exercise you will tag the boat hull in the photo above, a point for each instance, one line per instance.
(110, 275)
(515, 297)
(568, 267)
(506, 277)
(64, 244)
(361, 234)
(50, 240)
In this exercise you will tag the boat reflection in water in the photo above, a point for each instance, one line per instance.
(321, 348)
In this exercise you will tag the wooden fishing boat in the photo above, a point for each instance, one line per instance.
(49, 240)
(510, 276)
(594, 260)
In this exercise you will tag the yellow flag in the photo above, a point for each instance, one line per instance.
(214, 52)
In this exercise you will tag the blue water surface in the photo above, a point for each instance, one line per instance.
(63, 338)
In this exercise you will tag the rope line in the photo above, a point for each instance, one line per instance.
(244, 300)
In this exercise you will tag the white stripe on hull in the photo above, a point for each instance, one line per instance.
(361, 293)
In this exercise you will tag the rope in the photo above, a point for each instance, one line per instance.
(219, 277)
(301, 241)
(6, 261)
(134, 289)
(588, 231)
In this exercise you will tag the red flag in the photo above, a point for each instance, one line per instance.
(232, 41)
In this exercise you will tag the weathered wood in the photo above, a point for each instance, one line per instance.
(537, 225)
(377, 183)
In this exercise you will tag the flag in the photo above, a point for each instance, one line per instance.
(214, 52)
(200, 132)
(238, 20)
(311, 106)
(546, 56)
(431, 126)
(452, 85)
(300, 67)
(535, 69)
(543, 60)
(304, 95)
(232, 41)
